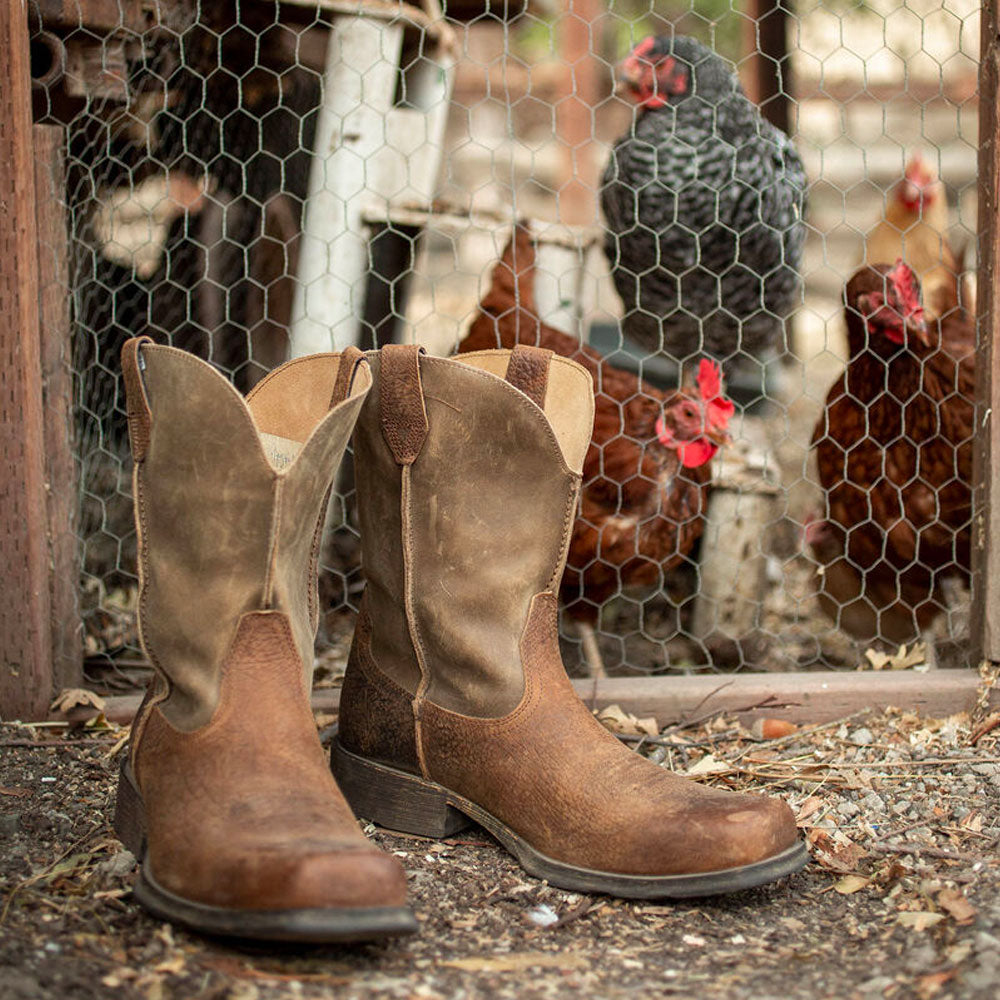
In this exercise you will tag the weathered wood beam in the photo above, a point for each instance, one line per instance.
(25, 638)
(985, 623)
(803, 698)
(57, 400)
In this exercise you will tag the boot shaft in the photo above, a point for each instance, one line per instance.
(230, 496)
(467, 474)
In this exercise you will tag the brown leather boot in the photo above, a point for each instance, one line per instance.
(456, 705)
(226, 796)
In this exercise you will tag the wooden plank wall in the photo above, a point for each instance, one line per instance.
(25, 638)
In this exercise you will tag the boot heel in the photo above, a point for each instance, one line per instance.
(394, 799)
(130, 821)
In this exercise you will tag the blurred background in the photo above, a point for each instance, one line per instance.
(211, 196)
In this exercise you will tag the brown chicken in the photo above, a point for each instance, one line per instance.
(646, 474)
(894, 449)
(915, 227)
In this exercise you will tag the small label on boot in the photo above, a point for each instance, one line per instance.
(281, 452)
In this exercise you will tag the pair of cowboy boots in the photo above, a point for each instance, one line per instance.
(455, 706)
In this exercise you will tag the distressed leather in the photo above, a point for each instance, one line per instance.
(560, 780)
(453, 621)
(376, 714)
(471, 648)
(240, 808)
(529, 371)
(221, 532)
(243, 812)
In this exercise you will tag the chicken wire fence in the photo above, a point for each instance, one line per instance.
(251, 181)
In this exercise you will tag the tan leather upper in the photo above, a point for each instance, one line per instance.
(460, 531)
(221, 530)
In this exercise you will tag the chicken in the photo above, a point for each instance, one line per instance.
(894, 450)
(646, 474)
(914, 227)
(704, 201)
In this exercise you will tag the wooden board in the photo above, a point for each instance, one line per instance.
(25, 639)
(985, 625)
(804, 698)
(57, 399)
(766, 71)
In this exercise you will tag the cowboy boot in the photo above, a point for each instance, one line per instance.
(456, 705)
(225, 795)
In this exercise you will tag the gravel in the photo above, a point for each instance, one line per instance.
(900, 900)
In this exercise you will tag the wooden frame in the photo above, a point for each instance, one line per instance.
(986, 496)
(817, 697)
(40, 632)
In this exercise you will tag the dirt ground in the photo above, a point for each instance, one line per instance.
(901, 898)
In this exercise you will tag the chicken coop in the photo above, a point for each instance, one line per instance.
(768, 231)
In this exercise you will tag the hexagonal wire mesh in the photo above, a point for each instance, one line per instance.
(286, 178)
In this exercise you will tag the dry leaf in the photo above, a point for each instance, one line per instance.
(808, 808)
(956, 905)
(70, 698)
(918, 920)
(973, 822)
(707, 765)
(617, 720)
(519, 961)
(843, 857)
(172, 965)
(930, 985)
(850, 884)
(902, 659)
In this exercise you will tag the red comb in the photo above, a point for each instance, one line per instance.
(720, 409)
(643, 47)
(916, 172)
(905, 283)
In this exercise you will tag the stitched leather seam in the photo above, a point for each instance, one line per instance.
(225, 707)
(270, 571)
(373, 673)
(139, 507)
(411, 619)
(312, 582)
(569, 519)
(528, 701)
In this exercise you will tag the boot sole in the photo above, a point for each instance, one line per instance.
(309, 925)
(408, 803)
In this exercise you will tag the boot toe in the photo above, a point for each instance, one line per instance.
(758, 828)
(356, 880)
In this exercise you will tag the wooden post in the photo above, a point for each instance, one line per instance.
(57, 399)
(577, 200)
(25, 637)
(767, 73)
(985, 622)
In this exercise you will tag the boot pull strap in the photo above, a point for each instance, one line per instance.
(528, 370)
(350, 358)
(401, 401)
(140, 416)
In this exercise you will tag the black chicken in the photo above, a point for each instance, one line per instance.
(704, 202)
